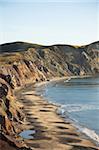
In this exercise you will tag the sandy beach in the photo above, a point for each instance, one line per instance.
(51, 131)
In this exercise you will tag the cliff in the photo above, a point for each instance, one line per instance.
(22, 63)
(59, 60)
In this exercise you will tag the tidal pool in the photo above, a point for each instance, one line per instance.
(27, 134)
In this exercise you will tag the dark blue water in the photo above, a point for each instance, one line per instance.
(79, 98)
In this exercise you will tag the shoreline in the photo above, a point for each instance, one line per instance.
(41, 106)
(80, 128)
(59, 79)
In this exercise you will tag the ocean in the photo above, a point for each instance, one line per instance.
(79, 102)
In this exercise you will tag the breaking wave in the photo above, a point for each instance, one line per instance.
(79, 107)
(64, 111)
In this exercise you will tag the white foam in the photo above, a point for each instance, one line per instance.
(90, 133)
(67, 80)
(79, 107)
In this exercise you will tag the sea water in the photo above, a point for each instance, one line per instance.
(79, 101)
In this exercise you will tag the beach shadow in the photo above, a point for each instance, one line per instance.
(34, 145)
(67, 133)
(78, 147)
(62, 122)
(61, 127)
(39, 134)
(47, 107)
(43, 110)
(65, 140)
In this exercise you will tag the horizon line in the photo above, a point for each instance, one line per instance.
(48, 44)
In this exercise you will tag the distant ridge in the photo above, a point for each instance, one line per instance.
(19, 46)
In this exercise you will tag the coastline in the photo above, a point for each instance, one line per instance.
(87, 132)
(59, 79)
(23, 112)
(52, 132)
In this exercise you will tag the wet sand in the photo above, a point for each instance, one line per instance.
(51, 131)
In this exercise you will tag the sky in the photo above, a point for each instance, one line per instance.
(47, 22)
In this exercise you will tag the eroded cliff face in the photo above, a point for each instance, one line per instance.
(22, 63)
(57, 60)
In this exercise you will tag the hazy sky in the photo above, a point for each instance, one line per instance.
(49, 21)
